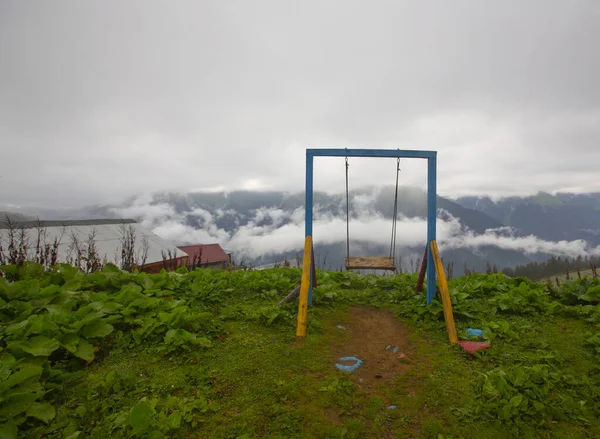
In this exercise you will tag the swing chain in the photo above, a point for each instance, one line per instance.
(394, 220)
(347, 216)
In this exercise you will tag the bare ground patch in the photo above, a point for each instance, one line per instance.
(366, 335)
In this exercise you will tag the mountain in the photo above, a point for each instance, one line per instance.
(267, 227)
(14, 216)
(564, 216)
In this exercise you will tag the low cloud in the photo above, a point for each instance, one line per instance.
(529, 245)
(272, 231)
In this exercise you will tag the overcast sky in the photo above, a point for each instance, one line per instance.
(102, 99)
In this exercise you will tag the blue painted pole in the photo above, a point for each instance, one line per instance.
(343, 152)
(308, 209)
(431, 225)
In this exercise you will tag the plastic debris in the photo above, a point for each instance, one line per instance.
(473, 346)
(340, 327)
(391, 407)
(395, 349)
(475, 332)
(350, 368)
(403, 358)
(388, 347)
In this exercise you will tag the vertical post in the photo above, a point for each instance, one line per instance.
(431, 225)
(308, 212)
(421, 278)
(446, 302)
(304, 284)
(313, 271)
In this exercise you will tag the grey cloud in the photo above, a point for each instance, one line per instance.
(99, 100)
(252, 240)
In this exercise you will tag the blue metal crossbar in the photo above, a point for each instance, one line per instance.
(430, 156)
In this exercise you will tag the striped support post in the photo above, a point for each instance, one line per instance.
(304, 286)
(447, 304)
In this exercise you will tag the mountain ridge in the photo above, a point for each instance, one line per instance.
(264, 227)
(564, 216)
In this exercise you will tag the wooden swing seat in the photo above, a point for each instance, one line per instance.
(370, 263)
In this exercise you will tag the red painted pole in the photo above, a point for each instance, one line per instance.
(313, 268)
(421, 279)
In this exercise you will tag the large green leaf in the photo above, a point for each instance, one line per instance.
(70, 342)
(111, 268)
(16, 404)
(84, 350)
(9, 431)
(106, 307)
(516, 400)
(42, 411)
(23, 290)
(97, 329)
(17, 328)
(43, 325)
(145, 281)
(174, 420)
(26, 372)
(58, 312)
(141, 417)
(39, 346)
(7, 361)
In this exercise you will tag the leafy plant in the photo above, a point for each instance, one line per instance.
(524, 393)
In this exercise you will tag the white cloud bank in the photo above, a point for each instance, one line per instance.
(274, 231)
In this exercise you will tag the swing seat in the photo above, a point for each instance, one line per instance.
(370, 263)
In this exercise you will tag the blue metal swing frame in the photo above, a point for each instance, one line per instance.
(431, 157)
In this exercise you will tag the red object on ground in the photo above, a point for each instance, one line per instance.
(473, 346)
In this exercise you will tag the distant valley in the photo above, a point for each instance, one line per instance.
(268, 227)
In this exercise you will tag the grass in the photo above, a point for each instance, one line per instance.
(248, 376)
(262, 383)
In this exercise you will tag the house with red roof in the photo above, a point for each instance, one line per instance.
(206, 256)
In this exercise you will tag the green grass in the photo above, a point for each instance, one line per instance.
(262, 383)
(225, 362)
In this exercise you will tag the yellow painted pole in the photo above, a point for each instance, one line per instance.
(447, 304)
(304, 285)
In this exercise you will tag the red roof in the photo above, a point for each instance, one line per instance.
(208, 253)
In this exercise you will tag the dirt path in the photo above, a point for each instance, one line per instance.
(366, 334)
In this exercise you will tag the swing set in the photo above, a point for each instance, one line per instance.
(372, 262)
(431, 262)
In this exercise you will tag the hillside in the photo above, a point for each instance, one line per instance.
(14, 216)
(266, 227)
(230, 214)
(557, 217)
(209, 353)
